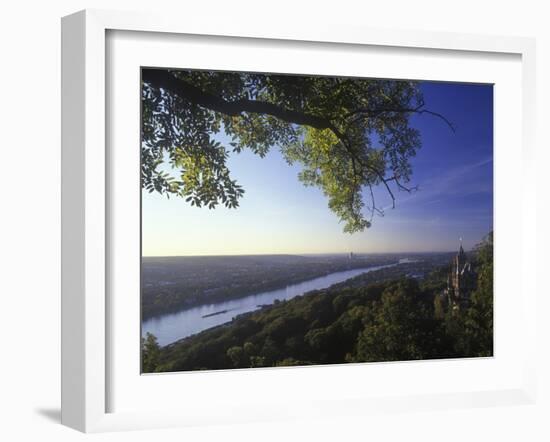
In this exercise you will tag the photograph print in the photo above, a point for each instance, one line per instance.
(302, 220)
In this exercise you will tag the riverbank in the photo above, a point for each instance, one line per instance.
(170, 286)
(176, 326)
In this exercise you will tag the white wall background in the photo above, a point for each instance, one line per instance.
(30, 216)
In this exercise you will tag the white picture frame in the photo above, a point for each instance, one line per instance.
(86, 203)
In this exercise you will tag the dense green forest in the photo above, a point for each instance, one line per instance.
(396, 320)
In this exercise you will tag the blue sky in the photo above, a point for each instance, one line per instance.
(453, 171)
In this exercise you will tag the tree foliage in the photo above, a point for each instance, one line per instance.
(402, 326)
(150, 353)
(349, 135)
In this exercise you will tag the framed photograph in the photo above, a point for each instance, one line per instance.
(270, 223)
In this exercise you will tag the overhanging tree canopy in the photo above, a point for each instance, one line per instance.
(349, 135)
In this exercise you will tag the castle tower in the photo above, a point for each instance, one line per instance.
(461, 279)
(459, 263)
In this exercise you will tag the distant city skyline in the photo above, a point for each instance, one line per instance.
(278, 215)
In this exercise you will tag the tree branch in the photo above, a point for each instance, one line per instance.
(413, 110)
(401, 186)
(163, 79)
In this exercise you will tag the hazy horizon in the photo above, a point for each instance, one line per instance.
(305, 254)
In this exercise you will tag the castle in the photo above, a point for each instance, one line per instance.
(460, 281)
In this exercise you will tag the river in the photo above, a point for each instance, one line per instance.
(174, 326)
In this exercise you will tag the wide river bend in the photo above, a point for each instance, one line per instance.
(174, 326)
